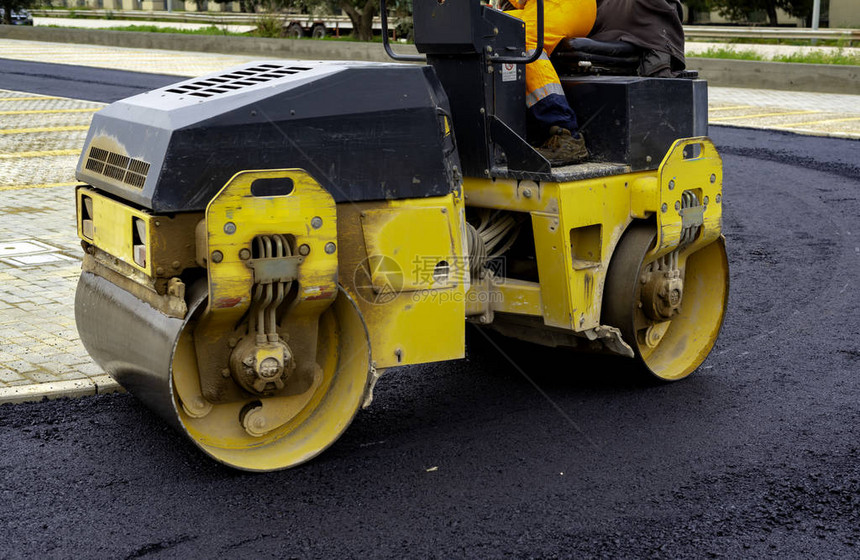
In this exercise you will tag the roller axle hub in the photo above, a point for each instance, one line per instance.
(662, 294)
(262, 367)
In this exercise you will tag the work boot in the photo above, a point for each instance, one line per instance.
(562, 148)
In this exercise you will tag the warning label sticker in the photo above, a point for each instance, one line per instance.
(509, 72)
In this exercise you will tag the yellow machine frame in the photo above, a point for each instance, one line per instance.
(577, 225)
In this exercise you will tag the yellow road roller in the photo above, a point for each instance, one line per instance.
(262, 244)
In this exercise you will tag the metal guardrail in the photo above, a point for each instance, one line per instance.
(727, 32)
(207, 17)
(848, 36)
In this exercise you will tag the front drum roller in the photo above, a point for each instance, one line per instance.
(669, 311)
(149, 354)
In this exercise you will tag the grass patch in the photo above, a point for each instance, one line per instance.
(841, 42)
(723, 52)
(211, 30)
(816, 57)
(838, 57)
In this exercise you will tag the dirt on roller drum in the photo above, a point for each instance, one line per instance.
(756, 454)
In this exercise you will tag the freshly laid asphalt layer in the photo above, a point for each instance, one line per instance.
(66, 80)
(757, 454)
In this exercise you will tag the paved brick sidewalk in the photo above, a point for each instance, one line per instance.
(821, 114)
(134, 60)
(39, 253)
(41, 137)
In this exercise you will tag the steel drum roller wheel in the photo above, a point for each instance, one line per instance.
(681, 344)
(323, 414)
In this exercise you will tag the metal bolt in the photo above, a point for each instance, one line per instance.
(664, 208)
(444, 210)
(482, 110)
(316, 222)
(648, 159)
(527, 193)
(672, 185)
(217, 256)
(229, 228)
(486, 171)
(159, 271)
(718, 198)
(225, 372)
(157, 223)
(330, 248)
(713, 178)
(707, 200)
(244, 254)
(677, 205)
(176, 264)
(304, 249)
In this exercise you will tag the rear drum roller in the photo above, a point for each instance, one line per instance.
(670, 309)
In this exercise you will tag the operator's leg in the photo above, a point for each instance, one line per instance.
(549, 113)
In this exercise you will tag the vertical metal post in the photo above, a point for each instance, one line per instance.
(816, 14)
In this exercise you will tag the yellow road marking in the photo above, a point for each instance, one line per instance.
(821, 122)
(46, 153)
(783, 114)
(42, 129)
(44, 111)
(729, 108)
(37, 186)
(28, 98)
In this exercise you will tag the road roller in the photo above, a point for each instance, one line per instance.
(261, 244)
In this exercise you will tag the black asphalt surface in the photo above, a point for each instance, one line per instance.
(757, 454)
(78, 82)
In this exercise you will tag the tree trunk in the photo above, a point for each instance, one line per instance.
(7, 12)
(362, 21)
(771, 14)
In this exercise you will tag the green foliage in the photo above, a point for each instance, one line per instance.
(746, 10)
(269, 25)
(813, 57)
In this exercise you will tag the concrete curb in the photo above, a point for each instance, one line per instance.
(787, 76)
(819, 78)
(84, 387)
(222, 44)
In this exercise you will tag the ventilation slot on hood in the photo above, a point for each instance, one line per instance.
(118, 167)
(237, 79)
